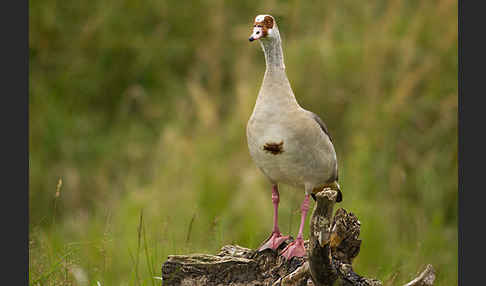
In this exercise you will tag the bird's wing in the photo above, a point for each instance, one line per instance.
(321, 124)
(326, 131)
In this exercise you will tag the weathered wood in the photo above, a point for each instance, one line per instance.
(331, 248)
(426, 278)
(234, 265)
(334, 244)
(320, 259)
(295, 278)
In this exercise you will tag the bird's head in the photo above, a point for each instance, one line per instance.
(263, 27)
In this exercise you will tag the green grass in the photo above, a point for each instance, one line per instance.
(141, 107)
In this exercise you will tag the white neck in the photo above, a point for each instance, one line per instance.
(272, 47)
(276, 86)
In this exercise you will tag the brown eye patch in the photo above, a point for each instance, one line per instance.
(266, 24)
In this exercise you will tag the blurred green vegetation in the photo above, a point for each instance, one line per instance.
(142, 106)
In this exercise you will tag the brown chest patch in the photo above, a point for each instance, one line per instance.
(274, 148)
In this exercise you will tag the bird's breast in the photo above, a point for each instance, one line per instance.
(273, 149)
(287, 152)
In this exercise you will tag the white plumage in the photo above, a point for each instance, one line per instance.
(289, 144)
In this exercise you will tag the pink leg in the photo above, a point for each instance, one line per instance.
(276, 237)
(296, 248)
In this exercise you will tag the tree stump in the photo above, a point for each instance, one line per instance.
(331, 248)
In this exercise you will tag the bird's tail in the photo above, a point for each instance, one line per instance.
(339, 195)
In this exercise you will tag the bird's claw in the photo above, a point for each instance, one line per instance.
(295, 248)
(274, 241)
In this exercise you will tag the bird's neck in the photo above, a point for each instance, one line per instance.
(272, 47)
(276, 86)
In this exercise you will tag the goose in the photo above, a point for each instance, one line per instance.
(289, 144)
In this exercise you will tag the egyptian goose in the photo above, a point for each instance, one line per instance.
(289, 144)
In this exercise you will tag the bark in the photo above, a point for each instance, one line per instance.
(331, 248)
